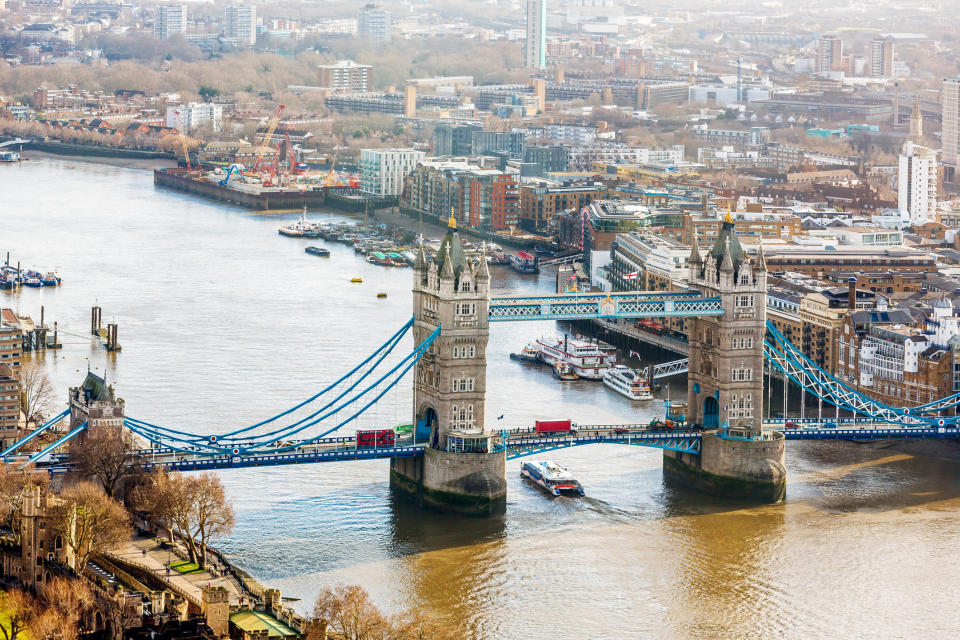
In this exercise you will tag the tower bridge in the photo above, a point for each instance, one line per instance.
(452, 462)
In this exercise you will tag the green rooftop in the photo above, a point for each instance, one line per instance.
(249, 621)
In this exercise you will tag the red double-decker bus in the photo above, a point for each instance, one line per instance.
(376, 438)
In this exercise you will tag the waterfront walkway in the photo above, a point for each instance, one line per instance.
(147, 554)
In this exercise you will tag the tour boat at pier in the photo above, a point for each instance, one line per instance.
(9, 156)
(627, 382)
(528, 354)
(523, 262)
(50, 279)
(564, 371)
(551, 477)
(585, 358)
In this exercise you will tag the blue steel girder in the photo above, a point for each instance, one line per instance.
(590, 306)
(276, 459)
(687, 442)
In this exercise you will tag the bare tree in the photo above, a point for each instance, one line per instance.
(195, 508)
(90, 521)
(36, 391)
(12, 484)
(210, 513)
(70, 601)
(349, 613)
(109, 457)
(19, 610)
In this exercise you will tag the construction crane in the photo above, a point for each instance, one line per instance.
(333, 163)
(269, 135)
(183, 142)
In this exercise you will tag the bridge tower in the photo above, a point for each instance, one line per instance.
(458, 471)
(725, 392)
(94, 402)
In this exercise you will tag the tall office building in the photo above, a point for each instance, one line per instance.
(829, 54)
(240, 23)
(917, 195)
(950, 132)
(881, 58)
(374, 22)
(170, 20)
(535, 51)
(346, 76)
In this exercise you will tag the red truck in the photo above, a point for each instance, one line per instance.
(553, 426)
(376, 438)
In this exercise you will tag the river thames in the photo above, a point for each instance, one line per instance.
(223, 322)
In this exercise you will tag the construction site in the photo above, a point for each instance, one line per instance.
(268, 176)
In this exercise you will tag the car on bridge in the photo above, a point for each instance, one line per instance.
(791, 425)
(829, 425)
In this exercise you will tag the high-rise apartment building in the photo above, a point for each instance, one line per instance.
(170, 20)
(374, 22)
(382, 171)
(881, 58)
(829, 54)
(535, 52)
(950, 132)
(346, 76)
(917, 195)
(240, 23)
(188, 117)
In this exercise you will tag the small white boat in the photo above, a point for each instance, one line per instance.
(627, 382)
(551, 477)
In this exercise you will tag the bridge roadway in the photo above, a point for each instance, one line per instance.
(518, 443)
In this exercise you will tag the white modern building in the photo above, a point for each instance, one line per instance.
(535, 51)
(346, 76)
(240, 24)
(374, 22)
(382, 171)
(917, 195)
(950, 133)
(194, 115)
(169, 20)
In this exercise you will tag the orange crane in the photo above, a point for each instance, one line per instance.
(333, 163)
(269, 136)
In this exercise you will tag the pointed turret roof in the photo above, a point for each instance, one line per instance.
(421, 261)
(695, 257)
(451, 255)
(727, 242)
(726, 265)
(761, 261)
(483, 270)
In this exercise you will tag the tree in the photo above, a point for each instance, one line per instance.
(210, 514)
(68, 602)
(109, 457)
(19, 610)
(90, 521)
(12, 485)
(36, 391)
(349, 613)
(196, 509)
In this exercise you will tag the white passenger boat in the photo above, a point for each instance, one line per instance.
(551, 477)
(585, 358)
(627, 382)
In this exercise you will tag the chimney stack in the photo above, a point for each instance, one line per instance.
(852, 293)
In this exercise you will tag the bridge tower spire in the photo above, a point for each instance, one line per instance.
(726, 378)
(458, 470)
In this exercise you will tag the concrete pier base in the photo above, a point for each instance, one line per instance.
(472, 484)
(750, 470)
